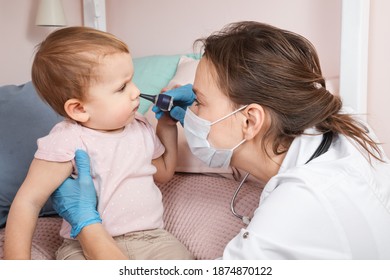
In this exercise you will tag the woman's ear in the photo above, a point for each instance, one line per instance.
(255, 119)
(75, 110)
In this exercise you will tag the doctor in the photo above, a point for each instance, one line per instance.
(262, 106)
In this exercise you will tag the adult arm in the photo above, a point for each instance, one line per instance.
(75, 200)
(97, 244)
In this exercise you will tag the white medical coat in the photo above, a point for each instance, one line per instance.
(335, 207)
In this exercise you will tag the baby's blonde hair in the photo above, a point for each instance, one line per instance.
(64, 63)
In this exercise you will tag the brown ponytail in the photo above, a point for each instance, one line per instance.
(350, 127)
(280, 70)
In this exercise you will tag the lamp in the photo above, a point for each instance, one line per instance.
(50, 13)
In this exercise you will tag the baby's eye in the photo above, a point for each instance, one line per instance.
(123, 87)
(196, 102)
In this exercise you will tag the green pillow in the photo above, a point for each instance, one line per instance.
(153, 73)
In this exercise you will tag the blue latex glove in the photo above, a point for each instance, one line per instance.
(75, 200)
(182, 98)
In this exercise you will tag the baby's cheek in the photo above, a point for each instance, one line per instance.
(124, 115)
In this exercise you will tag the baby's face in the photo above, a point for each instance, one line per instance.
(113, 99)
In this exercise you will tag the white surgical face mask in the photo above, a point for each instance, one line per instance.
(197, 130)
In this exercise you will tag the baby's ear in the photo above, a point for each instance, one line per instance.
(75, 110)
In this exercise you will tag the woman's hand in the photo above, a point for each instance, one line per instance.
(183, 96)
(75, 200)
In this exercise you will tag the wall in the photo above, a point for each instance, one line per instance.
(20, 35)
(379, 71)
(184, 23)
(319, 21)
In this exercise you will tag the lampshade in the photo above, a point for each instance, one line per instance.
(50, 13)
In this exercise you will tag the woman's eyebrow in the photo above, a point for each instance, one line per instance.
(197, 92)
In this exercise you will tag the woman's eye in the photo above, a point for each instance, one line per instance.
(196, 102)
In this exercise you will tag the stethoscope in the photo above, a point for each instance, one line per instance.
(322, 148)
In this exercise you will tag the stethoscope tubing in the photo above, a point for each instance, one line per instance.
(321, 149)
(244, 219)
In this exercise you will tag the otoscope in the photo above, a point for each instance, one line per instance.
(162, 101)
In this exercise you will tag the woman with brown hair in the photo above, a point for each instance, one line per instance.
(261, 105)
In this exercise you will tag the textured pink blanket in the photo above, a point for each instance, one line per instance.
(197, 212)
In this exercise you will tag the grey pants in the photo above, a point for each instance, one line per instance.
(157, 244)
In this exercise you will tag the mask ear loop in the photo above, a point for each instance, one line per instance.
(228, 115)
(245, 219)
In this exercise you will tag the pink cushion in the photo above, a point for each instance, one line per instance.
(46, 239)
(197, 212)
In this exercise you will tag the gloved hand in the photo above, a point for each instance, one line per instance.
(182, 98)
(75, 200)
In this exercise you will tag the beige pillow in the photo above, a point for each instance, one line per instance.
(187, 162)
(185, 72)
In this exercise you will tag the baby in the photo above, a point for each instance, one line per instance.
(86, 76)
